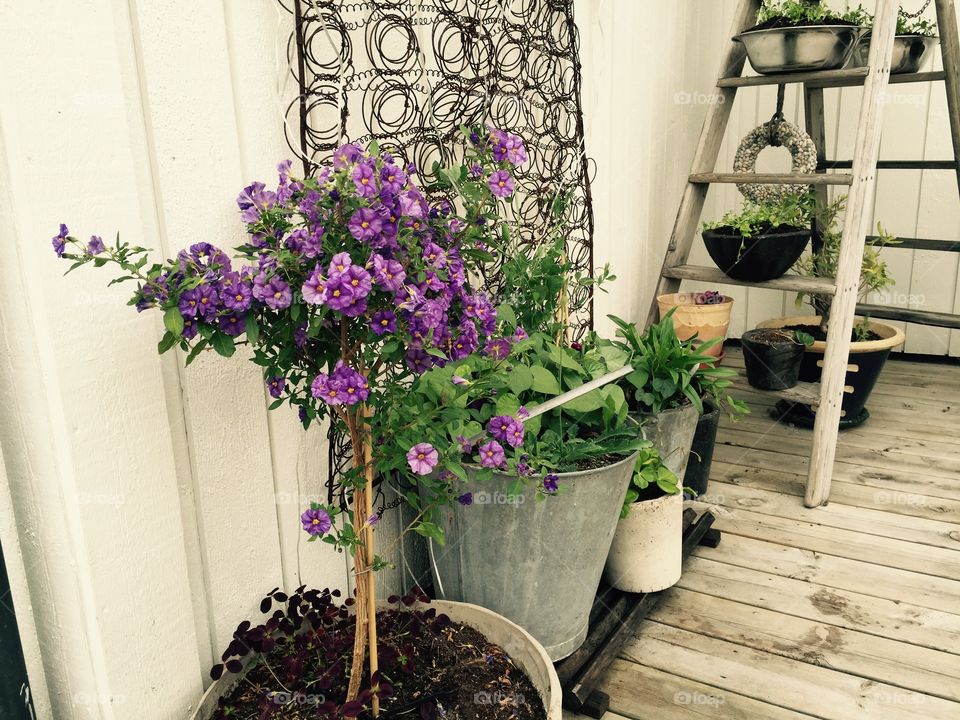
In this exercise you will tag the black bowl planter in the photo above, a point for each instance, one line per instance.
(701, 452)
(761, 257)
(866, 361)
(772, 359)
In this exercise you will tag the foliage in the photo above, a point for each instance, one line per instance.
(907, 25)
(824, 258)
(804, 11)
(304, 647)
(651, 476)
(792, 336)
(793, 210)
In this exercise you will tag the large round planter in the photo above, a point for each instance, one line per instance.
(863, 368)
(771, 365)
(536, 563)
(761, 257)
(909, 53)
(646, 554)
(701, 451)
(799, 49)
(707, 322)
(519, 644)
(671, 432)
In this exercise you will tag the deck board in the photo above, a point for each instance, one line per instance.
(847, 611)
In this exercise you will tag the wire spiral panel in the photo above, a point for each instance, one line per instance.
(409, 73)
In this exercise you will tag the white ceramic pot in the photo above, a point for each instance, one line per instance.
(518, 643)
(646, 554)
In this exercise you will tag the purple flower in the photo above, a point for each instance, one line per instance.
(363, 178)
(412, 204)
(419, 360)
(253, 200)
(276, 386)
(339, 295)
(344, 385)
(339, 264)
(523, 413)
(491, 455)
(189, 328)
(275, 293)
(232, 324)
(466, 444)
(516, 153)
(373, 520)
(506, 429)
(365, 224)
(392, 179)
(346, 155)
(315, 288)
(358, 280)
(457, 380)
(476, 171)
(466, 342)
(95, 246)
(234, 294)
(60, 241)
(389, 274)
(316, 521)
(501, 184)
(465, 499)
(327, 389)
(422, 458)
(383, 322)
(498, 349)
(520, 334)
(551, 483)
(199, 302)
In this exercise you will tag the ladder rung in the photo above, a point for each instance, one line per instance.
(919, 317)
(774, 178)
(822, 81)
(802, 392)
(790, 283)
(895, 165)
(802, 77)
(919, 244)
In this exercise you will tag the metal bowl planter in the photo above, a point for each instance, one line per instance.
(519, 644)
(757, 258)
(536, 563)
(863, 369)
(800, 49)
(909, 52)
(707, 322)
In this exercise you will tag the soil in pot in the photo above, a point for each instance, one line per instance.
(436, 668)
(764, 256)
(818, 333)
(772, 358)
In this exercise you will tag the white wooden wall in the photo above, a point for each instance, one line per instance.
(145, 508)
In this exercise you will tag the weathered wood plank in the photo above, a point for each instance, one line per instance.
(836, 572)
(770, 678)
(904, 621)
(868, 656)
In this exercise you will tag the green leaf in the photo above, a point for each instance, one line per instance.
(223, 344)
(166, 342)
(593, 400)
(253, 329)
(544, 381)
(506, 315)
(520, 379)
(195, 350)
(173, 321)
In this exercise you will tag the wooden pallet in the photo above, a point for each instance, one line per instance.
(615, 618)
(858, 179)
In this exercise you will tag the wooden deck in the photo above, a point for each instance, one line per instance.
(848, 611)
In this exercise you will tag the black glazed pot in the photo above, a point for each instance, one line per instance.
(771, 365)
(761, 257)
(701, 452)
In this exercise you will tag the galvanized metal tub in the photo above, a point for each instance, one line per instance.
(909, 52)
(536, 563)
(800, 49)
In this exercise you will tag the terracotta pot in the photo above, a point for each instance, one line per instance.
(707, 322)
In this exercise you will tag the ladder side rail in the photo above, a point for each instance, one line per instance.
(855, 228)
(950, 52)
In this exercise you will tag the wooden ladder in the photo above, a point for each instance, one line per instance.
(860, 179)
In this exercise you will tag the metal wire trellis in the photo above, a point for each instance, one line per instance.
(409, 73)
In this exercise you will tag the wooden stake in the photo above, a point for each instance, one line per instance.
(360, 568)
(369, 550)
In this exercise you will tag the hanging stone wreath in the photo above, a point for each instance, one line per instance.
(784, 134)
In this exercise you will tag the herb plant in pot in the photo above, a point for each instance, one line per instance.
(801, 35)
(646, 554)
(913, 44)
(555, 477)
(704, 315)
(763, 240)
(349, 287)
(772, 357)
(871, 340)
